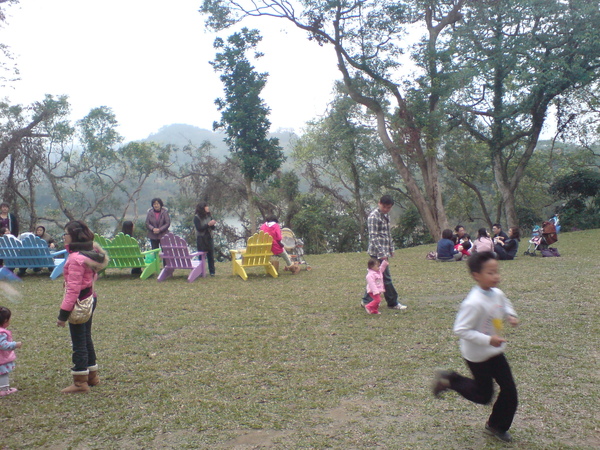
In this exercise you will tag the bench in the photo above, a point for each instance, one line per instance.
(175, 254)
(257, 254)
(31, 252)
(124, 253)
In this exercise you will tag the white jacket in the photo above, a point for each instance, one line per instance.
(474, 325)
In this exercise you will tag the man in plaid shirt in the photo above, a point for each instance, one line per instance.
(381, 246)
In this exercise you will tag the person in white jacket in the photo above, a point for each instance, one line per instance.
(479, 325)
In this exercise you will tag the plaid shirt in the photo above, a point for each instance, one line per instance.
(380, 238)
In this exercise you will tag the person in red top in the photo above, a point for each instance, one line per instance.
(271, 226)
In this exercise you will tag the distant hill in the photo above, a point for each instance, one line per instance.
(180, 135)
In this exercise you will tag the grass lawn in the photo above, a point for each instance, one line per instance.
(294, 362)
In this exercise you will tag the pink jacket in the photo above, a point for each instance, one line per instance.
(274, 230)
(375, 279)
(483, 244)
(79, 273)
(7, 356)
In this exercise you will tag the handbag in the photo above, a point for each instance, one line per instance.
(83, 309)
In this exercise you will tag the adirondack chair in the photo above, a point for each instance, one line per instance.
(31, 252)
(176, 255)
(257, 254)
(124, 253)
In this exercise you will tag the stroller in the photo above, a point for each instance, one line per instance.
(294, 247)
(542, 237)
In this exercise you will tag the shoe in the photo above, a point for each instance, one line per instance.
(441, 382)
(362, 305)
(504, 436)
(8, 392)
(398, 306)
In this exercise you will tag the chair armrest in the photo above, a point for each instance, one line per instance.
(60, 252)
(154, 250)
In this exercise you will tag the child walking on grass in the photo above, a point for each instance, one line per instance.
(479, 325)
(7, 352)
(375, 285)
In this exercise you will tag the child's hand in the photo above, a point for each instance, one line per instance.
(60, 323)
(497, 341)
(512, 320)
(19, 345)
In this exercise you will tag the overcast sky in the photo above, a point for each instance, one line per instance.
(148, 61)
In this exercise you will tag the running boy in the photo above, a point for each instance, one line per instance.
(479, 326)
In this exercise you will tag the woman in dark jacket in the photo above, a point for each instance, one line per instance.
(507, 249)
(204, 225)
(157, 222)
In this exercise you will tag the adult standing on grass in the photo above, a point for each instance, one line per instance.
(205, 225)
(8, 220)
(381, 247)
(157, 222)
(85, 260)
(479, 324)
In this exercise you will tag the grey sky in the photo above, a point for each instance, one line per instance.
(148, 61)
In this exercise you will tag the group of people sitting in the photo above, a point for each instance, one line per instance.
(457, 245)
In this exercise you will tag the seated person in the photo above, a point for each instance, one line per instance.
(499, 235)
(459, 234)
(445, 248)
(483, 243)
(127, 229)
(466, 245)
(507, 249)
(40, 231)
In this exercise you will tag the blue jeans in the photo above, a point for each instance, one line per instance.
(84, 354)
(390, 294)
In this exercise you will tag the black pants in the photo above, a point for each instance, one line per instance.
(481, 389)
(84, 354)
(390, 294)
(206, 244)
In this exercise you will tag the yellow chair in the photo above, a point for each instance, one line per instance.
(256, 254)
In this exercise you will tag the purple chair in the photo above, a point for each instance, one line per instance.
(175, 255)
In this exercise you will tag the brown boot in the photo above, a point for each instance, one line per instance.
(80, 384)
(93, 378)
(295, 269)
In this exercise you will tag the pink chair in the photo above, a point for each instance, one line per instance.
(175, 255)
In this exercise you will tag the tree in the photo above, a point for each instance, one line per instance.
(244, 116)
(581, 189)
(340, 154)
(368, 38)
(512, 59)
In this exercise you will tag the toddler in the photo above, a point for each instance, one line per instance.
(375, 284)
(7, 353)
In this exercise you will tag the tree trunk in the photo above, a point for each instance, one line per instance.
(251, 208)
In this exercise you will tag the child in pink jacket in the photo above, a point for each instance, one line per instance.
(7, 352)
(375, 284)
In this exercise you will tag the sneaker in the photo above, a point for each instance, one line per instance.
(504, 436)
(8, 392)
(371, 311)
(398, 306)
(441, 382)
(363, 305)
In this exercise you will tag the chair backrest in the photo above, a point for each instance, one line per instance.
(30, 251)
(175, 252)
(258, 251)
(123, 251)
